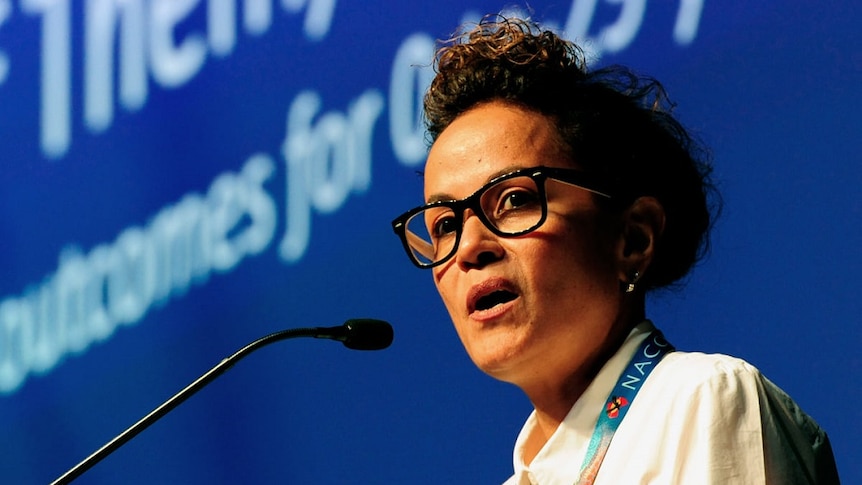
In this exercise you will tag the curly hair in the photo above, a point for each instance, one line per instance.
(612, 121)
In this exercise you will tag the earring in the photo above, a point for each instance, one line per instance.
(630, 287)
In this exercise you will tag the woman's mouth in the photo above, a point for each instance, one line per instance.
(493, 299)
(490, 295)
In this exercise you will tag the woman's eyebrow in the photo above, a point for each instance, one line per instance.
(499, 173)
(439, 198)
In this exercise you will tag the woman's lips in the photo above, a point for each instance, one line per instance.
(491, 297)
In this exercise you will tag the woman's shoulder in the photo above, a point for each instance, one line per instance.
(734, 400)
(696, 368)
(703, 379)
(720, 387)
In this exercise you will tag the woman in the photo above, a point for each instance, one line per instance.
(556, 198)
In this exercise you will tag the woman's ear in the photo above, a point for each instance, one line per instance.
(642, 226)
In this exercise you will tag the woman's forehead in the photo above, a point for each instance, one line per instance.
(488, 141)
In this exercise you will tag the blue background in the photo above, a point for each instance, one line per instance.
(772, 87)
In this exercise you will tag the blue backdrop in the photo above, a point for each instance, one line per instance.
(180, 177)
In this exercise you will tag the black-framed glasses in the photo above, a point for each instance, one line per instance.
(509, 205)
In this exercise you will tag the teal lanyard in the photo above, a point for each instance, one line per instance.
(648, 355)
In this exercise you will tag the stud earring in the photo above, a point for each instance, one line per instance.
(630, 287)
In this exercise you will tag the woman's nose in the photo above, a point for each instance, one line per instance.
(478, 246)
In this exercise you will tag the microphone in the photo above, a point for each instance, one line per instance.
(359, 334)
(356, 334)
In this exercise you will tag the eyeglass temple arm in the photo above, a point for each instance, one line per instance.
(420, 245)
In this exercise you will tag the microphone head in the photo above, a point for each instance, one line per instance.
(367, 334)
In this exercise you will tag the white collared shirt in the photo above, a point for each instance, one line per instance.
(698, 419)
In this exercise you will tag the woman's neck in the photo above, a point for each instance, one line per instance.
(553, 400)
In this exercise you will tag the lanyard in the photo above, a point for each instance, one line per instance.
(648, 355)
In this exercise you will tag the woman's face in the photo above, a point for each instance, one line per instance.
(534, 308)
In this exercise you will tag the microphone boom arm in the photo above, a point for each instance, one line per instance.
(361, 334)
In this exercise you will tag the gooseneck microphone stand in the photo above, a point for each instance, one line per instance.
(357, 334)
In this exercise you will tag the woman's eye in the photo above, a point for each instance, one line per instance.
(444, 226)
(517, 199)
